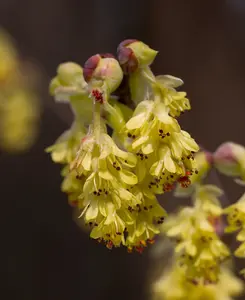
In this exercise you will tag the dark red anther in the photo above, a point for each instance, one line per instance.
(98, 96)
(109, 245)
(83, 139)
(74, 203)
(90, 65)
(194, 281)
(168, 187)
(139, 249)
(151, 241)
(130, 249)
(184, 181)
(143, 243)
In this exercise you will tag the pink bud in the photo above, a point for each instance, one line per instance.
(90, 65)
(228, 158)
(126, 57)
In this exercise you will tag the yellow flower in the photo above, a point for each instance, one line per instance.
(173, 285)
(236, 221)
(152, 132)
(175, 101)
(236, 215)
(106, 196)
(207, 199)
(8, 58)
(19, 119)
(203, 161)
(147, 216)
(72, 185)
(108, 222)
(105, 158)
(199, 248)
(114, 189)
(118, 209)
(65, 148)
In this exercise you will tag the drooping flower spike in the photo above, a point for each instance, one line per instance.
(113, 180)
(173, 285)
(20, 108)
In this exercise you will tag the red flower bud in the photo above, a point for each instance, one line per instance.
(126, 57)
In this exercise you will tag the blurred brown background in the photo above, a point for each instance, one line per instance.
(44, 254)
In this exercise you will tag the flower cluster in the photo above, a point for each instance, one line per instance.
(19, 106)
(198, 246)
(199, 269)
(113, 180)
(229, 159)
(236, 222)
(173, 285)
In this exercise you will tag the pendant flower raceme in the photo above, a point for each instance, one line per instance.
(173, 285)
(236, 223)
(113, 180)
(165, 149)
(199, 248)
(20, 108)
(105, 197)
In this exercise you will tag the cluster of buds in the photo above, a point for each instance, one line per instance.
(113, 180)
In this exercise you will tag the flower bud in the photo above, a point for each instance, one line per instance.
(68, 82)
(126, 57)
(103, 68)
(70, 74)
(133, 54)
(90, 65)
(229, 159)
(54, 84)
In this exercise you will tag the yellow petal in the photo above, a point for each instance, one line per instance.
(169, 81)
(92, 211)
(106, 175)
(136, 122)
(128, 177)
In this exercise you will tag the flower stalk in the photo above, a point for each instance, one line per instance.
(97, 120)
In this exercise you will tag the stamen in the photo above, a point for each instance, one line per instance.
(109, 245)
(98, 96)
(151, 241)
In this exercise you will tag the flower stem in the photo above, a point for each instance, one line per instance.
(97, 120)
(116, 120)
